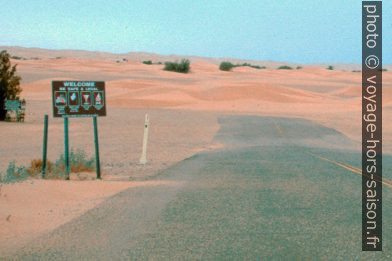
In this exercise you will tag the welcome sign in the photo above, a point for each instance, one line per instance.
(78, 98)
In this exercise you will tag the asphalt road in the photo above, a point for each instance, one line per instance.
(279, 190)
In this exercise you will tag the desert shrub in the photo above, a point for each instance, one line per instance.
(181, 67)
(149, 62)
(17, 57)
(14, 173)
(299, 67)
(226, 66)
(384, 69)
(284, 67)
(36, 167)
(78, 161)
(330, 68)
(252, 66)
(257, 66)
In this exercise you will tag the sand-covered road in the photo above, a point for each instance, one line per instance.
(265, 195)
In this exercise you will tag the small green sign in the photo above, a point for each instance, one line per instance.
(12, 105)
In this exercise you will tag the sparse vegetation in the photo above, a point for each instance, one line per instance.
(149, 62)
(227, 66)
(285, 67)
(251, 65)
(122, 60)
(14, 173)
(9, 82)
(17, 58)
(298, 67)
(181, 67)
(78, 160)
(356, 71)
(384, 69)
(330, 68)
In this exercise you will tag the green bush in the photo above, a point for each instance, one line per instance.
(298, 67)
(330, 67)
(226, 66)
(251, 65)
(181, 67)
(14, 173)
(78, 162)
(149, 62)
(257, 66)
(284, 67)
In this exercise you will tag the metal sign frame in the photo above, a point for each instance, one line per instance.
(76, 99)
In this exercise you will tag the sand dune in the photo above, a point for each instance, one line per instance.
(329, 97)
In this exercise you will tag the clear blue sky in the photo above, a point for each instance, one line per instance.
(303, 31)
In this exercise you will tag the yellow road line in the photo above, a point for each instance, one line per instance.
(353, 169)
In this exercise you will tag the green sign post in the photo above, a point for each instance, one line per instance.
(97, 163)
(66, 149)
(45, 146)
(79, 99)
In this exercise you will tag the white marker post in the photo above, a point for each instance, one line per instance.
(143, 158)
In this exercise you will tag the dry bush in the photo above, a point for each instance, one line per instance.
(36, 167)
(79, 162)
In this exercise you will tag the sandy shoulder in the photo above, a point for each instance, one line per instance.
(29, 209)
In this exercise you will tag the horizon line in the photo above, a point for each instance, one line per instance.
(184, 55)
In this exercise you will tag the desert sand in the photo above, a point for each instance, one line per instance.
(183, 111)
